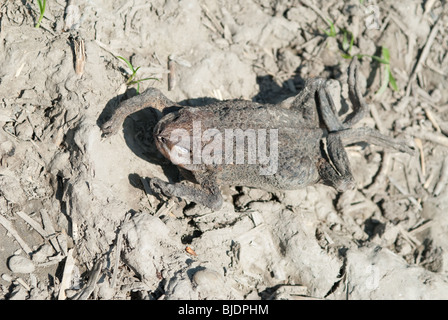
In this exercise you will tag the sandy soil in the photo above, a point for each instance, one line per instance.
(78, 220)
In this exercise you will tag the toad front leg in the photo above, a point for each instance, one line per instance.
(152, 97)
(208, 194)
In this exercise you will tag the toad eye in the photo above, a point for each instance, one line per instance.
(162, 139)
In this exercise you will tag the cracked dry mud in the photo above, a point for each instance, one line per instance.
(78, 219)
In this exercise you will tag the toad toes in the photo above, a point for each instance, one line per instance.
(286, 146)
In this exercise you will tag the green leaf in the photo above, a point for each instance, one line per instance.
(332, 33)
(332, 28)
(383, 61)
(352, 41)
(128, 63)
(131, 80)
(360, 56)
(384, 83)
(346, 56)
(345, 44)
(392, 81)
(42, 5)
(386, 54)
(145, 79)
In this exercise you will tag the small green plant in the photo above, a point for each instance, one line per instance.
(132, 79)
(42, 4)
(346, 45)
(332, 32)
(388, 78)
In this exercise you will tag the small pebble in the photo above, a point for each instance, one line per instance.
(42, 254)
(19, 264)
(209, 284)
(105, 292)
(7, 277)
(208, 278)
(24, 130)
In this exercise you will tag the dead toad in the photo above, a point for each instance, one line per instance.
(303, 136)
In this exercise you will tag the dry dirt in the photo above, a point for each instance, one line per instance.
(79, 222)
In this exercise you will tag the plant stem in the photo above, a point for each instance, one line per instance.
(42, 4)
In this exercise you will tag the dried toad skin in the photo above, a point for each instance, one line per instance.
(307, 146)
(298, 143)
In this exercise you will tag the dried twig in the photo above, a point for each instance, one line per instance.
(424, 54)
(431, 136)
(80, 56)
(443, 179)
(118, 250)
(419, 145)
(376, 117)
(91, 283)
(23, 284)
(409, 237)
(431, 118)
(382, 173)
(428, 181)
(402, 191)
(33, 223)
(423, 226)
(165, 208)
(48, 227)
(67, 275)
(9, 227)
(106, 48)
(172, 73)
(62, 241)
(428, 5)
(213, 20)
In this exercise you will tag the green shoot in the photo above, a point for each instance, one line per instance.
(332, 32)
(42, 4)
(388, 78)
(131, 80)
(380, 60)
(346, 46)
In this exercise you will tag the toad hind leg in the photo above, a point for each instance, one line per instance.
(328, 110)
(371, 136)
(336, 172)
(360, 107)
